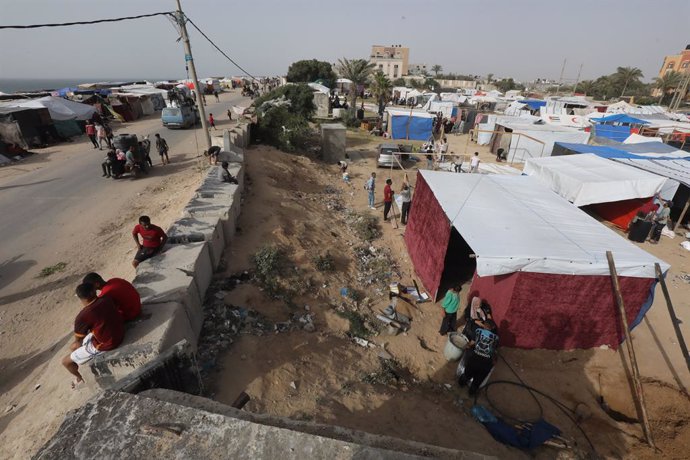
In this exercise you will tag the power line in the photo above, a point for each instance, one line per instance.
(81, 23)
(220, 50)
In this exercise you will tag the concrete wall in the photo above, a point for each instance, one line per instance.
(333, 142)
(173, 283)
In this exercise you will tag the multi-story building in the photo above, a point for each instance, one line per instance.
(679, 62)
(417, 69)
(391, 60)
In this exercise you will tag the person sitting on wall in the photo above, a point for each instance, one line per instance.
(97, 328)
(123, 294)
(153, 239)
(225, 174)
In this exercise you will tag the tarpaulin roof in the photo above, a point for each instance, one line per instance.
(320, 88)
(678, 170)
(588, 179)
(59, 108)
(644, 150)
(620, 118)
(513, 223)
(533, 104)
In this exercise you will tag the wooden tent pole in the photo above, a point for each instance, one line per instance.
(672, 313)
(639, 393)
(682, 215)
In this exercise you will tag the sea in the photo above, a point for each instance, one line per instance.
(18, 85)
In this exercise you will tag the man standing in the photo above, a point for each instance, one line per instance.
(215, 93)
(97, 328)
(101, 135)
(387, 198)
(162, 148)
(474, 163)
(370, 187)
(211, 121)
(153, 239)
(660, 221)
(406, 195)
(91, 132)
(481, 355)
(125, 296)
(229, 114)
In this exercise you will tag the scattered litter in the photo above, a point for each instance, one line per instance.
(684, 277)
(293, 385)
(37, 387)
(10, 408)
(220, 295)
(383, 354)
(669, 233)
(685, 245)
(411, 291)
(448, 386)
(363, 343)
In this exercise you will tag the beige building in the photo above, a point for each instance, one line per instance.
(391, 60)
(679, 62)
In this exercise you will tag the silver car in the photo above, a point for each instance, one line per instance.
(389, 156)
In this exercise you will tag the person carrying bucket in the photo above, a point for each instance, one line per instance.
(481, 355)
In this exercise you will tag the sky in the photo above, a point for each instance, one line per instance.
(523, 39)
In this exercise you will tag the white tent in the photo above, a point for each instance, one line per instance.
(60, 109)
(536, 140)
(637, 139)
(587, 179)
(320, 88)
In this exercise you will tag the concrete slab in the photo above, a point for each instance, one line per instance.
(181, 274)
(213, 181)
(197, 229)
(114, 423)
(224, 207)
(159, 327)
(333, 142)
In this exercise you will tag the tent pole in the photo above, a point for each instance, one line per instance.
(639, 393)
(672, 313)
(682, 214)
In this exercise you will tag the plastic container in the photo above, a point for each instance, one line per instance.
(455, 346)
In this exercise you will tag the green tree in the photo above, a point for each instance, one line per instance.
(668, 83)
(436, 69)
(627, 76)
(300, 97)
(506, 84)
(356, 70)
(399, 82)
(489, 78)
(380, 87)
(432, 85)
(586, 87)
(309, 70)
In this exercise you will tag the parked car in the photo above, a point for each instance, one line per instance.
(180, 117)
(389, 156)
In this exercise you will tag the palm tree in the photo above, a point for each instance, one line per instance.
(436, 69)
(587, 87)
(669, 82)
(489, 78)
(381, 88)
(628, 75)
(356, 70)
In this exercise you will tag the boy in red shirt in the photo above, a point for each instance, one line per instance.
(91, 132)
(387, 198)
(97, 328)
(211, 121)
(153, 239)
(121, 292)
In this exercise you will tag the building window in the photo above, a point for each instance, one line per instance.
(684, 65)
(670, 65)
(395, 71)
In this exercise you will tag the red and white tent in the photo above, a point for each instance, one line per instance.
(537, 259)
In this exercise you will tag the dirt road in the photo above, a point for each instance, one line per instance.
(56, 207)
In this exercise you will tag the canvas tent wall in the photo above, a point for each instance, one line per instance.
(409, 124)
(534, 140)
(616, 192)
(617, 127)
(540, 262)
(33, 125)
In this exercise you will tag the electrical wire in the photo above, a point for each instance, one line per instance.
(220, 50)
(83, 23)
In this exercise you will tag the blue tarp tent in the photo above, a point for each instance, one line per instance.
(533, 104)
(616, 127)
(641, 151)
(619, 118)
(410, 125)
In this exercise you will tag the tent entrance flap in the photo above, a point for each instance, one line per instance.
(459, 265)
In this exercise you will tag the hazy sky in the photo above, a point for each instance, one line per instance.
(524, 39)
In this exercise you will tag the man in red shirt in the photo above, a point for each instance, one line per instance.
(387, 198)
(121, 292)
(153, 240)
(97, 328)
(91, 132)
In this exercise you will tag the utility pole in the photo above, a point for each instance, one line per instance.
(577, 80)
(560, 80)
(189, 61)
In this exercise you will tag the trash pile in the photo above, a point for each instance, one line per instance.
(374, 265)
(332, 199)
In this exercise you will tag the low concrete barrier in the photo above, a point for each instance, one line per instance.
(197, 229)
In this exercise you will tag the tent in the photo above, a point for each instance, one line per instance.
(533, 104)
(539, 261)
(409, 124)
(59, 108)
(25, 126)
(616, 192)
(617, 127)
(641, 150)
(523, 139)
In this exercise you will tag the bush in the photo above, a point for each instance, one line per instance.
(365, 226)
(281, 128)
(324, 263)
(350, 119)
(269, 264)
(300, 97)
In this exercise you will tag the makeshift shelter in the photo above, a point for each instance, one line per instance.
(655, 157)
(617, 127)
(409, 124)
(616, 192)
(26, 126)
(523, 139)
(539, 261)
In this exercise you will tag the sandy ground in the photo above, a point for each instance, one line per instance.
(91, 233)
(325, 377)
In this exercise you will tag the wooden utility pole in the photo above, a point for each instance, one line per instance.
(674, 319)
(189, 61)
(637, 383)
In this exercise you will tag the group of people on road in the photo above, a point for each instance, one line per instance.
(100, 324)
(99, 134)
(388, 195)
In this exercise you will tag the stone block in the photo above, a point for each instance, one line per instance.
(333, 142)
(224, 207)
(159, 327)
(181, 274)
(321, 102)
(197, 229)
